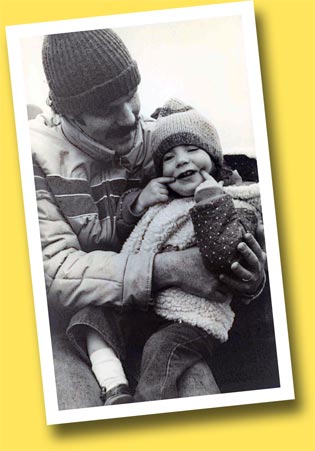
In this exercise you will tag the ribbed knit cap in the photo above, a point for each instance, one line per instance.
(86, 70)
(180, 124)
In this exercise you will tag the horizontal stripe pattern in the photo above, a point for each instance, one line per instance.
(76, 197)
(37, 170)
(61, 185)
(106, 187)
(40, 183)
(106, 196)
(117, 186)
(40, 179)
(76, 205)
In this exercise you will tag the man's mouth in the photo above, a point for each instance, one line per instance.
(186, 174)
(126, 137)
(122, 133)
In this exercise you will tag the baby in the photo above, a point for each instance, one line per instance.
(185, 206)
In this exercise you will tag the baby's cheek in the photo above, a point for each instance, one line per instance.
(206, 165)
(167, 171)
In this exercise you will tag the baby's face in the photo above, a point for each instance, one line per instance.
(184, 163)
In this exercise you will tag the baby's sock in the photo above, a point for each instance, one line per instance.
(107, 368)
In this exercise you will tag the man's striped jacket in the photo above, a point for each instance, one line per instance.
(78, 184)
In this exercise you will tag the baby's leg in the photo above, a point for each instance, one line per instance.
(108, 370)
(99, 337)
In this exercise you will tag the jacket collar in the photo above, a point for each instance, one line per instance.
(131, 161)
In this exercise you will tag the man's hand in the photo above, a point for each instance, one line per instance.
(250, 274)
(260, 236)
(155, 191)
(185, 270)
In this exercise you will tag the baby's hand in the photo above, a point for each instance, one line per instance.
(155, 191)
(209, 179)
(202, 191)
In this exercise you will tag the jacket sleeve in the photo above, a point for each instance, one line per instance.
(219, 227)
(74, 278)
(126, 217)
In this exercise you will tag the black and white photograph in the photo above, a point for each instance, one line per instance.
(150, 213)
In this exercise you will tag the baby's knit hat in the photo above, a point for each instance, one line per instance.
(86, 70)
(180, 124)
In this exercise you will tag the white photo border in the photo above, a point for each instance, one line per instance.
(246, 11)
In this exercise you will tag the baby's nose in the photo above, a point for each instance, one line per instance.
(181, 159)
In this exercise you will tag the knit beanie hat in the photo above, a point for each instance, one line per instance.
(86, 70)
(180, 124)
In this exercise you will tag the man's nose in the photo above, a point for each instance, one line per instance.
(126, 116)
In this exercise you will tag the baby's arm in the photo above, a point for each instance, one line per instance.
(134, 203)
(219, 225)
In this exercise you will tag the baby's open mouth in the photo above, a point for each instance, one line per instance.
(186, 174)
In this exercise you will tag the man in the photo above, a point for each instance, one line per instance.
(96, 148)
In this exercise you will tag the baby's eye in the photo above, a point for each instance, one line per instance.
(167, 157)
(193, 149)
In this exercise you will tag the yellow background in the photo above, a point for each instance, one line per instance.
(286, 33)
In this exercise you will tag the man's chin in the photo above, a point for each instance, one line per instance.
(122, 146)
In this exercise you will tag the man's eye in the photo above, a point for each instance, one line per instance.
(100, 111)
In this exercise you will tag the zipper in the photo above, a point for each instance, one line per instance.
(107, 192)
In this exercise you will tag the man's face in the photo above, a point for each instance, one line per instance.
(115, 125)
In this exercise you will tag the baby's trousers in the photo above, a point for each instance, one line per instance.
(168, 348)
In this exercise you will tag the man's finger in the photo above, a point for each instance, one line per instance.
(231, 282)
(253, 244)
(256, 248)
(260, 235)
(241, 272)
(251, 258)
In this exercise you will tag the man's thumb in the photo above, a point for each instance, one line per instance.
(260, 236)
